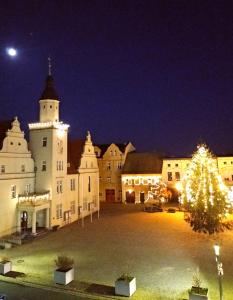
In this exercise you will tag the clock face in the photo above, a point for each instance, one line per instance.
(59, 146)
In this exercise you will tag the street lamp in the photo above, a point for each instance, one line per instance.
(219, 269)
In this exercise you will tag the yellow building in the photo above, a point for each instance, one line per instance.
(111, 159)
(140, 176)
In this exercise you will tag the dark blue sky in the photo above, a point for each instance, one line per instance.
(157, 73)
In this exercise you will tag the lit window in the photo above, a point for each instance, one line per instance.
(3, 169)
(177, 175)
(169, 176)
(43, 165)
(44, 142)
(13, 191)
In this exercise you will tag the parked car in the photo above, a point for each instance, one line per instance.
(153, 208)
(171, 210)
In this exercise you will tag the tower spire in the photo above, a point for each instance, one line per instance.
(49, 66)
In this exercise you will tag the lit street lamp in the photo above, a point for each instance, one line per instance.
(219, 269)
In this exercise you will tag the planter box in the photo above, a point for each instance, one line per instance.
(63, 277)
(125, 286)
(198, 293)
(5, 267)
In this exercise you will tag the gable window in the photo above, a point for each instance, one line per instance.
(72, 184)
(44, 142)
(3, 169)
(169, 176)
(43, 165)
(108, 166)
(13, 191)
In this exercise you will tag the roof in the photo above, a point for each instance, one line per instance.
(143, 163)
(104, 147)
(4, 126)
(75, 150)
(49, 91)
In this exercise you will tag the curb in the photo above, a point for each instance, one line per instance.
(58, 289)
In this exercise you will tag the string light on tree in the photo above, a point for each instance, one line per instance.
(204, 193)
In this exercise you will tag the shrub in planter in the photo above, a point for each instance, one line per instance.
(125, 285)
(197, 292)
(5, 265)
(64, 273)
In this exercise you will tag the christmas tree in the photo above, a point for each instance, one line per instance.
(204, 194)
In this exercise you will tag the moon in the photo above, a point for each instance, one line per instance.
(11, 52)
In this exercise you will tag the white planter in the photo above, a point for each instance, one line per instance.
(193, 295)
(63, 277)
(5, 267)
(125, 287)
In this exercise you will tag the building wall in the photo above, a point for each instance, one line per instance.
(19, 172)
(110, 169)
(135, 184)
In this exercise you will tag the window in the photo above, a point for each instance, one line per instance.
(22, 168)
(177, 175)
(224, 162)
(59, 211)
(44, 142)
(59, 165)
(89, 184)
(59, 187)
(111, 153)
(28, 188)
(108, 166)
(176, 165)
(3, 169)
(43, 165)
(232, 177)
(72, 207)
(119, 166)
(169, 176)
(51, 106)
(108, 179)
(231, 162)
(72, 184)
(13, 191)
(168, 165)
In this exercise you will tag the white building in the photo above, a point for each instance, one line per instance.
(52, 184)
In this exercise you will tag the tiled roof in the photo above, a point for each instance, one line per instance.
(4, 126)
(49, 91)
(143, 163)
(75, 150)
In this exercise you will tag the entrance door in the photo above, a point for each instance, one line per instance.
(110, 195)
(130, 197)
(24, 221)
(142, 197)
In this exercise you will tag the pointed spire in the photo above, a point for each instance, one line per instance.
(49, 91)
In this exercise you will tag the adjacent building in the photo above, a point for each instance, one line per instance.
(141, 174)
(50, 181)
(111, 160)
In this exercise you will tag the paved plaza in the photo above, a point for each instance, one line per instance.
(159, 249)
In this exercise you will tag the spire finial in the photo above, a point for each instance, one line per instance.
(50, 66)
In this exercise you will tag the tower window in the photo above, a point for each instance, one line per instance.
(44, 165)
(22, 168)
(89, 184)
(44, 142)
(44, 106)
(51, 106)
(2, 168)
(13, 191)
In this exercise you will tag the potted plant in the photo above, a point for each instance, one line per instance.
(64, 273)
(125, 285)
(197, 292)
(5, 265)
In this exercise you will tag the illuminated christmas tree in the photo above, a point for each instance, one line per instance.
(204, 194)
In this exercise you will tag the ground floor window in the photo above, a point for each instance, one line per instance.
(59, 211)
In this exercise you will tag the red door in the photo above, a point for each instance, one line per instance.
(110, 195)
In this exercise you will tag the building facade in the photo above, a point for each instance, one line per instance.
(111, 160)
(49, 184)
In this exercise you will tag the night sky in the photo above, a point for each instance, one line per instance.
(156, 73)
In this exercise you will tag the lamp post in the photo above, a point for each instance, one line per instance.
(219, 269)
